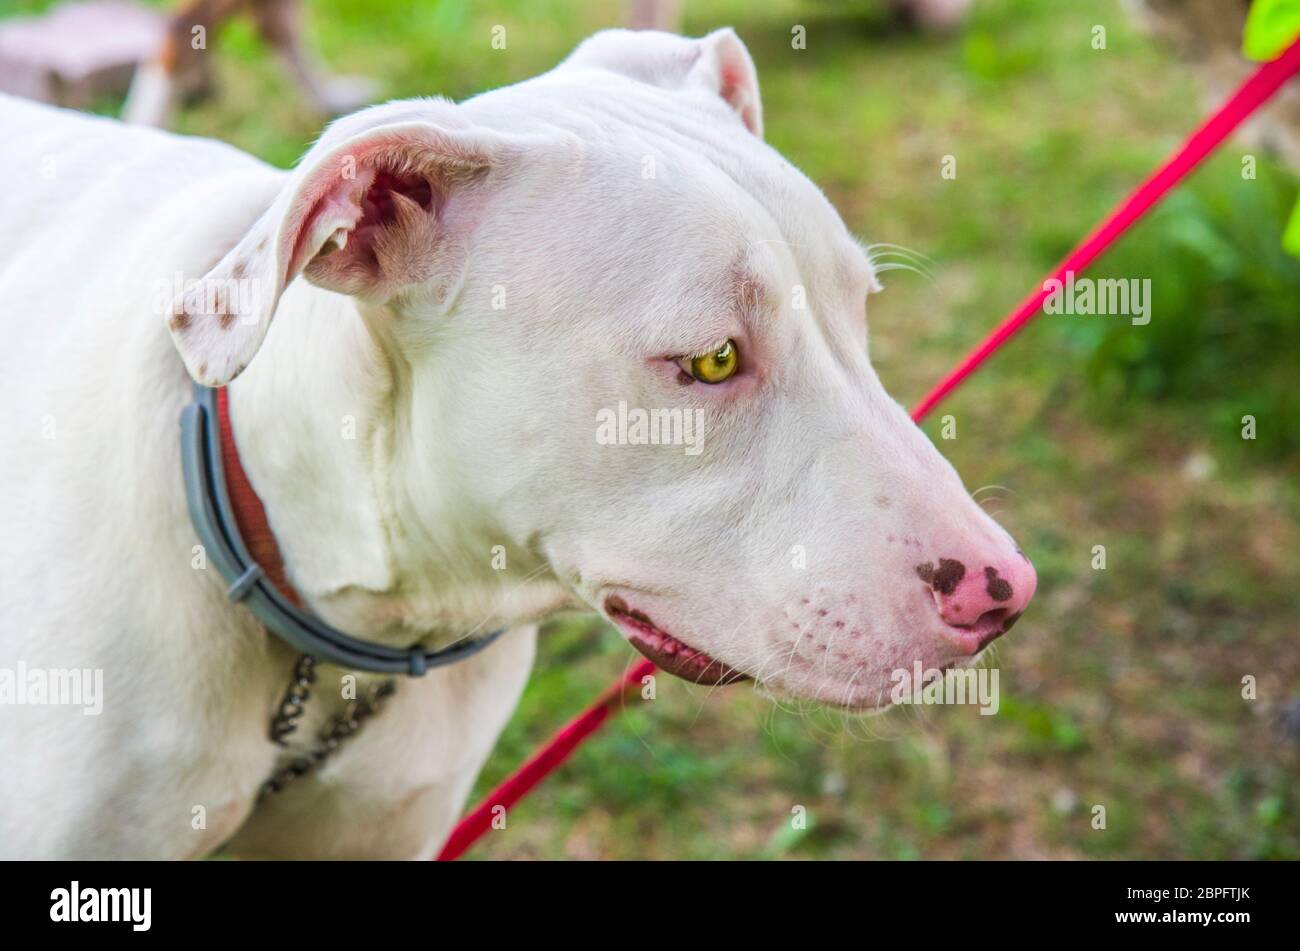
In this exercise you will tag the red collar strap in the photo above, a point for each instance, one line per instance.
(250, 514)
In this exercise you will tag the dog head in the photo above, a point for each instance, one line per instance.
(629, 340)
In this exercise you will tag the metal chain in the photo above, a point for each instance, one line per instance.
(286, 718)
(340, 727)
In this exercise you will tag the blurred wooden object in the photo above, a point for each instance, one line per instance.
(79, 53)
(180, 68)
(82, 53)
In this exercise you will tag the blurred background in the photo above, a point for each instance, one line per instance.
(1123, 686)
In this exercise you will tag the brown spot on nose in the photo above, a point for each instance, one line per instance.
(999, 589)
(1011, 619)
(945, 578)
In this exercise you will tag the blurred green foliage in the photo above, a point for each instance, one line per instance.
(1224, 338)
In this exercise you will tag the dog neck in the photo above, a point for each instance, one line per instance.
(317, 422)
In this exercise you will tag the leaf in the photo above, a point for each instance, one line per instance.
(1291, 236)
(1271, 26)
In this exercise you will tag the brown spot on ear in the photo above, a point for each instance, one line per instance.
(999, 589)
(179, 321)
(225, 317)
(203, 369)
(239, 270)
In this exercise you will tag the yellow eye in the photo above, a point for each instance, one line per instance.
(716, 365)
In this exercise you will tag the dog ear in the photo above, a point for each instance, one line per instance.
(718, 63)
(369, 216)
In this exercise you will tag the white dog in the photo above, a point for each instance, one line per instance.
(445, 419)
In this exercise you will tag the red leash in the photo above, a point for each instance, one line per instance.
(551, 755)
(1252, 94)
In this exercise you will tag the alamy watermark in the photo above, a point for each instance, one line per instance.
(133, 906)
(230, 297)
(930, 685)
(1108, 297)
(651, 427)
(41, 686)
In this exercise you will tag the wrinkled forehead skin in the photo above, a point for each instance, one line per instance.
(687, 201)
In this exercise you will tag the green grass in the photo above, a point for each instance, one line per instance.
(1122, 687)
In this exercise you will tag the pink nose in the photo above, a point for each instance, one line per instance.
(980, 603)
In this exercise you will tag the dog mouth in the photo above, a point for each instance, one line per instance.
(667, 652)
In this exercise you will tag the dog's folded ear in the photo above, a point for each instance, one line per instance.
(367, 213)
(718, 63)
